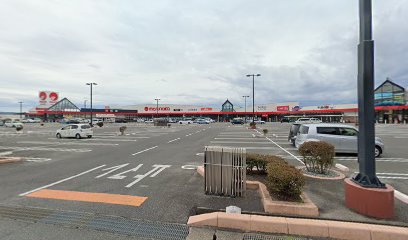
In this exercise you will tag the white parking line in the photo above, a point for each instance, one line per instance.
(70, 143)
(250, 138)
(144, 150)
(402, 197)
(60, 181)
(173, 140)
(239, 142)
(283, 149)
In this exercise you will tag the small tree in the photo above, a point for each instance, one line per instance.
(122, 130)
(19, 128)
(100, 124)
(265, 131)
(317, 156)
(252, 125)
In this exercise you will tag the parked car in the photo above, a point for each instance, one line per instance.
(308, 120)
(237, 121)
(149, 121)
(13, 124)
(120, 120)
(96, 121)
(259, 121)
(342, 137)
(202, 121)
(294, 129)
(75, 130)
(186, 121)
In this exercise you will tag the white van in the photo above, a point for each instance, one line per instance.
(75, 130)
(308, 120)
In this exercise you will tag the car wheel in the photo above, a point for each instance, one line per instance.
(58, 135)
(78, 136)
(378, 151)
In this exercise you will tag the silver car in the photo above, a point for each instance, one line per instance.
(342, 137)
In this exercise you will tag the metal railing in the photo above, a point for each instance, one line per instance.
(225, 171)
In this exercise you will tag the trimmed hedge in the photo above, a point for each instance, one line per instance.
(317, 156)
(260, 162)
(100, 124)
(265, 131)
(285, 181)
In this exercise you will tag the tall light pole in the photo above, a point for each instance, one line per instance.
(91, 84)
(157, 106)
(85, 107)
(245, 97)
(253, 94)
(366, 114)
(21, 109)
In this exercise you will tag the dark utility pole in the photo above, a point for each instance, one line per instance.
(253, 94)
(157, 107)
(366, 113)
(91, 84)
(21, 109)
(245, 97)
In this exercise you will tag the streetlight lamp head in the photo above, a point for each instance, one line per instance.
(248, 75)
(258, 75)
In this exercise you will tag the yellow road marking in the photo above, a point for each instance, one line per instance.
(89, 197)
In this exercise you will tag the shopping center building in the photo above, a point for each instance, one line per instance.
(390, 105)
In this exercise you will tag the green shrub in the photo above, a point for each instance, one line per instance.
(317, 156)
(260, 162)
(122, 130)
(285, 181)
(100, 124)
(19, 128)
(252, 124)
(265, 131)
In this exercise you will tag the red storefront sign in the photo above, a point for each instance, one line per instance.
(282, 108)
(264, 115)
(147, 109)
(206, 109)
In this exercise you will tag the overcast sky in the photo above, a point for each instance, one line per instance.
(193, 51)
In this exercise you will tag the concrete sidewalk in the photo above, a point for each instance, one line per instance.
(211, 233)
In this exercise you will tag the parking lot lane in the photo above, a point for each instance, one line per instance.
(172, 191)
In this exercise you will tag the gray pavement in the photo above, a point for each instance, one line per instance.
(149, 163)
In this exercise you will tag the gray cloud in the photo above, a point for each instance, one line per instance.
(193, 52)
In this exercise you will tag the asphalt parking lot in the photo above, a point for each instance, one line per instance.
(153, 164)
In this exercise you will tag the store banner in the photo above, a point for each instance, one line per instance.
(282, 108)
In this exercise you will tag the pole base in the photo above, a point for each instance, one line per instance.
(371, 202)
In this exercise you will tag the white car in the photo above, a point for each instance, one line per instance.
(185, 121)
(149, 121)
(75, 130)
(308, 120)
(259, 122)
(13, 124)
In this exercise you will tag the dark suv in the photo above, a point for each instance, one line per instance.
(237, 121)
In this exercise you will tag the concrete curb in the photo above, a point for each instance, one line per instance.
(340, 177)
(306, 208)
(9, 159)
(297, 226)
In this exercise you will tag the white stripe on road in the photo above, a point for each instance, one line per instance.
(144, 150)
(60, 181)
(173, 140)
(283, 149)
(251, 138)
(70, 143)
(402, 197)
(240, 142)
(46, 149)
